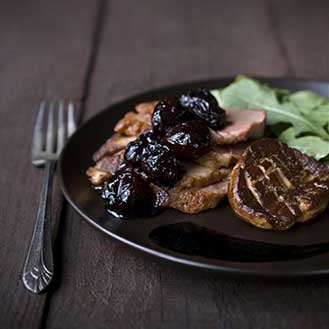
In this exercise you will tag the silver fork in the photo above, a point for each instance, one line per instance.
(48, 141)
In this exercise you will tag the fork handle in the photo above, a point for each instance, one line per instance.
(39, 266)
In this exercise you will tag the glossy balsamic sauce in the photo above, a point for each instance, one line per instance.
(194, 240)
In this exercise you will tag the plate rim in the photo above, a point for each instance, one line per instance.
(228, 267)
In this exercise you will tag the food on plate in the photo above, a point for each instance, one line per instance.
(151, 156)
(273, 186)
(128, 193)
(198, 184)
(202, 103)
(189, 152)
(188, 140)
(242, 125)
(168, 113)
(193, 200)
(174, 146)
(299, 119)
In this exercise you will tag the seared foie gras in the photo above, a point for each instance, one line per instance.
(273, 186)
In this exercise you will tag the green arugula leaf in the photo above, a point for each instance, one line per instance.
(247, 93)
(313, 146)
(313, 105)
(325, 160)
(305, 112)
(306, 100)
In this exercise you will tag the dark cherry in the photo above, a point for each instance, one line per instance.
(160, 164)
(180, 131)
(153, 159)
(136, 149)
(150, 137)
(189, 140)
(205, 106)
(127, 194)
(167, 113)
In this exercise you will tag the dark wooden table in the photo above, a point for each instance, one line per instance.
(99, 52)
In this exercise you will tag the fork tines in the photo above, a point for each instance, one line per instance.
(55, 123)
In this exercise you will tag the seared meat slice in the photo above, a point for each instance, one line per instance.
(210, 168)
(113, 145)
(201, 188)
(110, 163)
(98, 176)
(105, 168)
(222, 156)
(274, 186)
(199, 176)
(205, 181)
(133, 124)
(146, 108)
(243, 125)
(196, 199)
(127, 129)
(206, 170)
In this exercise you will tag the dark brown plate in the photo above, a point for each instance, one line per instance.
(231, 246)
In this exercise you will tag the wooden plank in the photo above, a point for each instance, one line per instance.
(299, 27)
(167, 43)
(105, 284)
(45, 47)
(145, 46)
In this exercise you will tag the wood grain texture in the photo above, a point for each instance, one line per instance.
(137, 46)
(150, 45)
(44, 50)
(171, 42)
(300, 28)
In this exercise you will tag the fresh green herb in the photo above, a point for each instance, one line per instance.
(304, 114)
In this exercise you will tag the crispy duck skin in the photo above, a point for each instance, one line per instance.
(273, 186)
